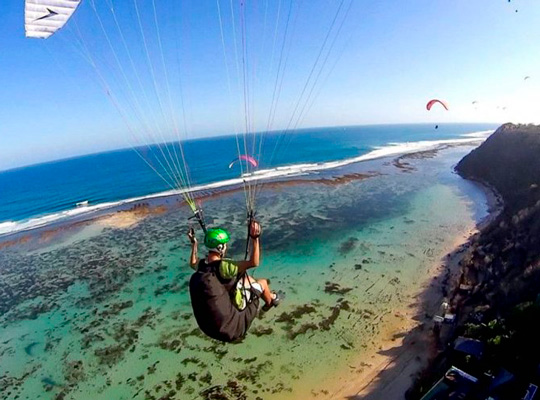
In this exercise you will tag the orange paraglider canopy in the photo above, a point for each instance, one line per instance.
(431, 102)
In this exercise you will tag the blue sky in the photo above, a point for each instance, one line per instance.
(389, 58)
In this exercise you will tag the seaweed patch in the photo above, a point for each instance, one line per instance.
(348, 245)
(302, 330)
(335, 288)
(261, 331)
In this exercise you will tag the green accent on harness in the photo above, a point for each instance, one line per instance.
(238, 299)
(228, 269)
(215, 236)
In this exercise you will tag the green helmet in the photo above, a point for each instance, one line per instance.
(215, 236)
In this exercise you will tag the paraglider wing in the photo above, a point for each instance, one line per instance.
(431, 102)
(42, 18)
(249, 159)
(527, 77)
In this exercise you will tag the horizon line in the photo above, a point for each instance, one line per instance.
(222, 135)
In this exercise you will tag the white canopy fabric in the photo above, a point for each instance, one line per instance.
(42, 18)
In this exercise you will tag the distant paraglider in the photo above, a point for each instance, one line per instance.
(244, 157)
(527, 77)
(432, 102)
(141, 51)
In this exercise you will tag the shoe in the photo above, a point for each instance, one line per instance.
(275, 302)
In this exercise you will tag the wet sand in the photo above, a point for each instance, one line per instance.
(131, 217)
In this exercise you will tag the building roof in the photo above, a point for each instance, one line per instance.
(469, 346)
(455, 384)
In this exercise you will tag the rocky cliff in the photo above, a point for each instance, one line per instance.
(509, 160)
(503, 263)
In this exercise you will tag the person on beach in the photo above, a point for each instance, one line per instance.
(225, 299)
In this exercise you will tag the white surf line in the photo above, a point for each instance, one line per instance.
(392, 149)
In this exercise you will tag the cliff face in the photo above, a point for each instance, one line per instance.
(503, 263)
(508, 160)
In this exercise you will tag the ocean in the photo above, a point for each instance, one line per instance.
(38, 195)
(100, 309)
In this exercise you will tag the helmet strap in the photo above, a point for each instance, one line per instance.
(220, 249)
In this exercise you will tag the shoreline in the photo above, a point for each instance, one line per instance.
(405, 351)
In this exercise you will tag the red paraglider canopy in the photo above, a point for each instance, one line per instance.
(431, 102)
(247, 158)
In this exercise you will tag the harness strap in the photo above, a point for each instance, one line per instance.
(250, 218)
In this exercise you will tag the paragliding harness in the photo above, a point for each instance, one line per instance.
(198, 215)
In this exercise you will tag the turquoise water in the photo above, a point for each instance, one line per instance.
(104, 313)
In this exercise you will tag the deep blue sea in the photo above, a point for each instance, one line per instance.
(37, 194)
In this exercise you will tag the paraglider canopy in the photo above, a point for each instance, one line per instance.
(432, 102)
(245, 157)
(42, 18)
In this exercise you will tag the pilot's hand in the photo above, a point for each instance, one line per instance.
(191, 236)
(255, 229)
